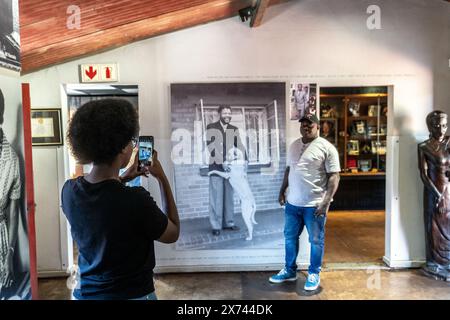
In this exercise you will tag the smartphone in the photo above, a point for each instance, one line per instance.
(146, 145)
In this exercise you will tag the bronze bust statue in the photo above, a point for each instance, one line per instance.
(434, 166)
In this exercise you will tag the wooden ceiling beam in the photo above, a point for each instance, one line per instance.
(108, 24)
(106, 39)
(46, 22)
(258, 14)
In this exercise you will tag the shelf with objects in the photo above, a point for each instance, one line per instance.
(358, 118)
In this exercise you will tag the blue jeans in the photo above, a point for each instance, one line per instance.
(295, 220)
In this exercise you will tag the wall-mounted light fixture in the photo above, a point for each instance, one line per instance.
(246, 13)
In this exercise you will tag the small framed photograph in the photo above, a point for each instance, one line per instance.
(329, 130)
(379, 147)
(365, 165)
(46, 127)
(372, 131)
(303, 97)
(372, 111)
(353, 147)
(354, 107)
(328, 111)
(359, 128)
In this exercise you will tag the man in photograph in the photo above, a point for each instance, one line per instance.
(221, 137)
(328, 131)
(10, 193)
(301, 99)
(312, 175)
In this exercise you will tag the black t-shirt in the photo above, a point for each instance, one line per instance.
(114, 227)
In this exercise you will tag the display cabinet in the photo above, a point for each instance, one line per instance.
(356, 123)
(354, 119)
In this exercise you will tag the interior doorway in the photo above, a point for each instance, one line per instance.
(77, 95)
(355, 120)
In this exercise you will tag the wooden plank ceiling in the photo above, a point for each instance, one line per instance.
(106, 24)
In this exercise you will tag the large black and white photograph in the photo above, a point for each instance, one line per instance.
(9, 35)
(229, 157)
(14, 262)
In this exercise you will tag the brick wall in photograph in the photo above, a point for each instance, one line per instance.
(192, 189)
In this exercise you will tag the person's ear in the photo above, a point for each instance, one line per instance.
(124, 150)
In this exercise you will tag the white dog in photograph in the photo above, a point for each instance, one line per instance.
(236, 173)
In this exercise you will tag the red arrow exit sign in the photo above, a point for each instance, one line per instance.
(105, 72)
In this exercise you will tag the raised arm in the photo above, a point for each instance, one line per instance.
(169, 207)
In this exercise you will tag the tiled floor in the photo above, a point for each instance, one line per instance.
(355, 284)
(354, 238)
(339, 284)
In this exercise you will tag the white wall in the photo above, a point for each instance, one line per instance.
(321, 41)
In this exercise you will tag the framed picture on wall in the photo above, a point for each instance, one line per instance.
(303, 97)
(46, 127)
(353, 147)
(329, 130)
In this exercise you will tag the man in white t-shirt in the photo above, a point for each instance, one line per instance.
(312, 175)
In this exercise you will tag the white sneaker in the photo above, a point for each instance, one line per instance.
(312, 282)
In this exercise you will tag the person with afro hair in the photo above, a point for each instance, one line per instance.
(114, 226)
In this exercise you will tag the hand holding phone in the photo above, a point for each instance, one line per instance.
(155, 169)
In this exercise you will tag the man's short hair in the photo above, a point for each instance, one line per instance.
(224, 106)
(2, 106)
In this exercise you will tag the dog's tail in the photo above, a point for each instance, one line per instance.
(253, 213)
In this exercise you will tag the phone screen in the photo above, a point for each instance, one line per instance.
(145, 149)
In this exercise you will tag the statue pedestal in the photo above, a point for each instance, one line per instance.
(437, 272)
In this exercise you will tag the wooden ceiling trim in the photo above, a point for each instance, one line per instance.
(33, 11)
(103, 40)
(39, 25)
(107, 24)
(258, 15)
